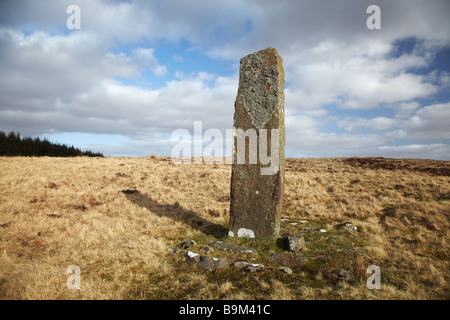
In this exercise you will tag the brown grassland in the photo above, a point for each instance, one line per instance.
(57, 212)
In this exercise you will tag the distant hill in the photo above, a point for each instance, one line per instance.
(12, 144)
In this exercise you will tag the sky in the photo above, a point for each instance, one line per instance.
(136, 71)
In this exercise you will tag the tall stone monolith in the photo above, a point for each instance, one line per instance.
(257, 179)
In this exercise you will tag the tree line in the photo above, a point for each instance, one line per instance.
(12, 144)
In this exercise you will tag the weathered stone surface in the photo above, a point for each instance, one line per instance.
(257, 179)
(287, 259)
(233, 247)
(294, 243)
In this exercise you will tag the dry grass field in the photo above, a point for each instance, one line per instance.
(57, 212)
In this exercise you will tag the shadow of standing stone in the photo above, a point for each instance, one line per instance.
(177, 213)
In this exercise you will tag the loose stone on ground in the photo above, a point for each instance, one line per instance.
(342, 274)
(211, 264)
(294, 243)
(204, 261)
(285, 269)
(249, 267)
(192, 257)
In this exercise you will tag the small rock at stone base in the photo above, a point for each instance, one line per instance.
(294, 243)
(248, 267)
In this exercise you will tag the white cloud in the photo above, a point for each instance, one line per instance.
(406, 109)
(354, 79)
(71, 75)
(144, 59)
(431, 122)
(375, 124)
(304, 133)
(179, 75)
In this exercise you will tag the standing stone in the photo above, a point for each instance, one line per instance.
(257, 178)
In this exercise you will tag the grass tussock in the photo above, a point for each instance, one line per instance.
(118, 218)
